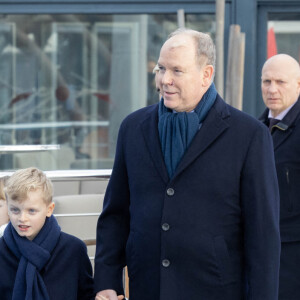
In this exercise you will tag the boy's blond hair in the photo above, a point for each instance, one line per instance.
(3, 181)
(28, 180)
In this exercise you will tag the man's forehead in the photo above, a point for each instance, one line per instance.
(179, 50)
(181, 41)
(282, 64)
(276, 72)
(178, 44)
(273, 75)
(173, 62)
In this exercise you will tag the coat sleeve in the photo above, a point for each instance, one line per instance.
(260, 209)
(85, 278)
(113, 227)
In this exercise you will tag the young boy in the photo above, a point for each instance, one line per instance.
(37, 260)
(4, 219)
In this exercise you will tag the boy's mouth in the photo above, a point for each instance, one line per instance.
(23, 227)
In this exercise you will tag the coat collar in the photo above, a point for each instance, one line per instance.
(212, 127)
(285, 126)
(151, 136)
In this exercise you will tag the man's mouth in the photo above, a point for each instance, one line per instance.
(169, 93)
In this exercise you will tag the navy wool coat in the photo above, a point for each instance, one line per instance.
(211, 232)
(286, 138)
(67, 275)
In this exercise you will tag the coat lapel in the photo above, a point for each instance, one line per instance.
(213, 126)
(150, 133)
(279, 136)
(286, 126)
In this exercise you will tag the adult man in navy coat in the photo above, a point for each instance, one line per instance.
(192, 206)
(280, 89)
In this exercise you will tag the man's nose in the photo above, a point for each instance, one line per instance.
(167, 79)
(272, 87)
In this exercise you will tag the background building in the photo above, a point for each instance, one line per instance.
(71, 70)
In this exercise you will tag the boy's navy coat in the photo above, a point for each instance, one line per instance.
(286, 138)
(211, 232)
(67, 275)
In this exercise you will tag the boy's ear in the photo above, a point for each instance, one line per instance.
(50, 209)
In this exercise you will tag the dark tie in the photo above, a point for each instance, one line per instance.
(272, 122)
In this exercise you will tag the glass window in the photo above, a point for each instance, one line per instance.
(67, 82)
(284, 37)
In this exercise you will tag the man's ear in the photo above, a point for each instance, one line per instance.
(298, 82)
(208, 71)
(50, 209)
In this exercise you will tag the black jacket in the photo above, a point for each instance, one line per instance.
(67, 275)
(206, 232)
(286, 139)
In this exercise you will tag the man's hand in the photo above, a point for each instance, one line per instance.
(108, 295)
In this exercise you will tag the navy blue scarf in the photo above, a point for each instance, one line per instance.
(177, 130)
(33, 255)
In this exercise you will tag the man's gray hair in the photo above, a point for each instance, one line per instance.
(204, 44)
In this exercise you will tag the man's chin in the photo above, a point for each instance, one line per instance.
(169, 104)
(273, 106)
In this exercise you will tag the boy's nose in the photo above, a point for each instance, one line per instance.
(23, 216)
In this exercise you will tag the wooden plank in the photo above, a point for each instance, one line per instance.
(220, 17)
(180, 18)
(235, 67)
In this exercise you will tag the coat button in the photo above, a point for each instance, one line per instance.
(170, 192)
(165, 227)
(166, 263)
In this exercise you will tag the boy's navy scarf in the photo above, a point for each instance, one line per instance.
(33, 255)
(176, 130)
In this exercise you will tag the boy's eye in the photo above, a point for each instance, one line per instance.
(14, 210)
(32, 211)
